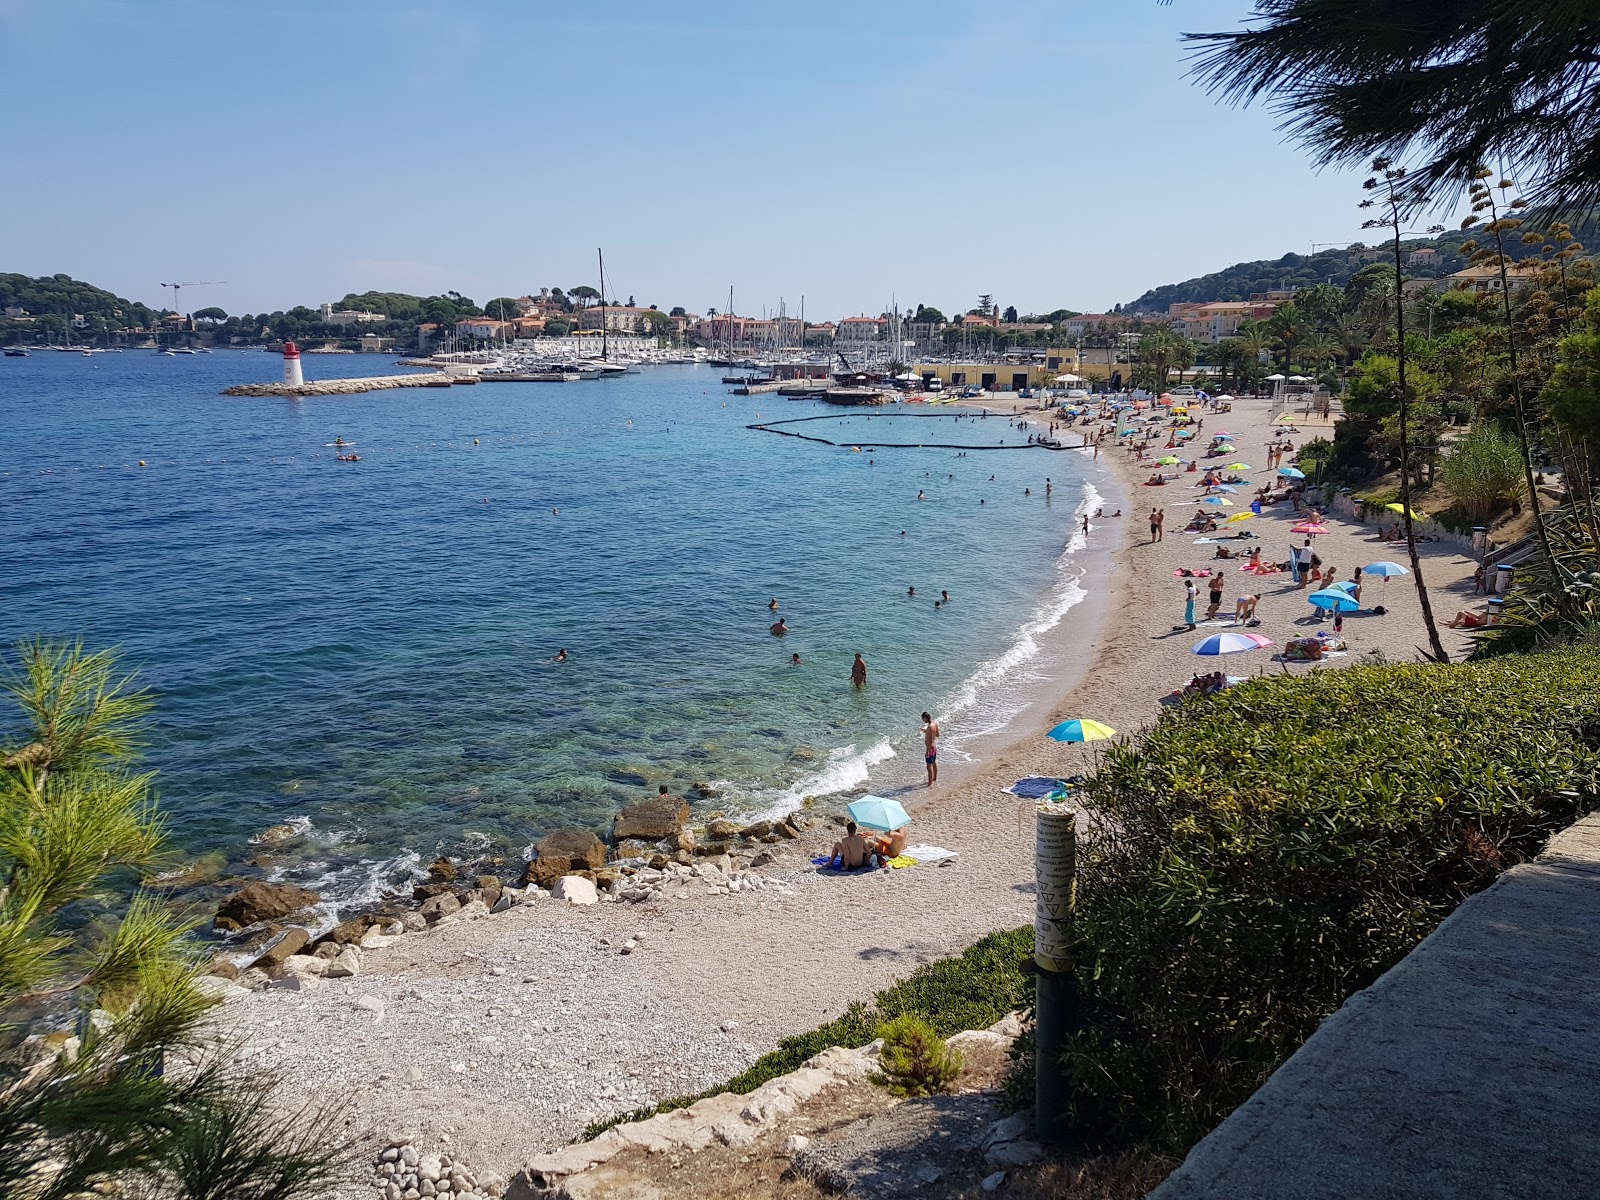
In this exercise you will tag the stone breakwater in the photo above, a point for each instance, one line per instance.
(340, 387)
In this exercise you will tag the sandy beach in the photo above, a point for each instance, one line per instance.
(501, 1037)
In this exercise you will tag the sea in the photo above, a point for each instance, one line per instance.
(365, 650)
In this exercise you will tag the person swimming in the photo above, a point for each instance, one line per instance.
(794, 660)
(911, 591)
(561, 655)
(772, 605)
(778, 628)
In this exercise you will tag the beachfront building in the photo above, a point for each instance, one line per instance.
(860, 329)
(1480, 279)
(1210, 323)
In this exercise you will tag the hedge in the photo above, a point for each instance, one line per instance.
(1261, 855)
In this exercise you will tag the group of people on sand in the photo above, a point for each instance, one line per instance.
(855, 850)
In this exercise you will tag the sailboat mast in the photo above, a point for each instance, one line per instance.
(605, 344)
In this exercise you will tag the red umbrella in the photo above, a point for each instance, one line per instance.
(1309, 527)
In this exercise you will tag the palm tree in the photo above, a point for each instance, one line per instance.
(1288, 328)
(1448, 84)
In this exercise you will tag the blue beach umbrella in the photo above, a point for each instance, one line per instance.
(1081, 731)
(877, 813)
(1334, 600)
(1385, 569)
(1291, 472)
(1217, 500)
(1346, 585)
(1230, 643)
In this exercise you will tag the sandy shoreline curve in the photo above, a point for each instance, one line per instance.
(502, 1037)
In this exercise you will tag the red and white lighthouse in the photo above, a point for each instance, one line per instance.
(291, 365)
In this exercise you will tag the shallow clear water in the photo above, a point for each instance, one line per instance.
(367, 645)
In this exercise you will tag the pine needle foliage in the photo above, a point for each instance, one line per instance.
(915, 1060)
(109, 1076)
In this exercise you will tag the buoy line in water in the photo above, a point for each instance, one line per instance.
(774, 427)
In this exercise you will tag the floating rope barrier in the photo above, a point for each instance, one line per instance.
(775, 427)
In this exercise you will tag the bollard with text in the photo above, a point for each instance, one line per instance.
(1055, 1003)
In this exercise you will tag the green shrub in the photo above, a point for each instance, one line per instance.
(1260, 856)
(1483, 470)
(1549, 608)
(915, 1060)
(970, 991)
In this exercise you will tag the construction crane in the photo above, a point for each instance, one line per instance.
(190, 283)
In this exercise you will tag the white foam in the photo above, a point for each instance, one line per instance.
(844, 769)
(980, 698)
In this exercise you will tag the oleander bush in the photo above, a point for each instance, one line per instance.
(973, 990)
(1261, 855)
(914, 1060)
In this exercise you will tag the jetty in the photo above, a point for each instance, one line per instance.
(348, 387)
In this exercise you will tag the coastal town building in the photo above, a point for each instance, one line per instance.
(860, 329)
(483, 329)
(1096, 323)
(345, 316)
(1480, 279)
(1210, 323)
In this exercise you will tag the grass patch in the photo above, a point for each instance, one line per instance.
(970, 991)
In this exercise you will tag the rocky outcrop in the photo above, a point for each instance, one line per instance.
(654, 820)
(562, 853)
(258, 902)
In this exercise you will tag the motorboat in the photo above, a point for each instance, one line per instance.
(16, 352)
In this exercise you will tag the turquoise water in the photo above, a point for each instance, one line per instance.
(365, 647)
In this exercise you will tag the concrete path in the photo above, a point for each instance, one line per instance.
(1470, 1070)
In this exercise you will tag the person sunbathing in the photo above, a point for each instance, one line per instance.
(889, 845)
(1466, 620)
(850, 851)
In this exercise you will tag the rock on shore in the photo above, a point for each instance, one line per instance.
(562, 853)
(262, 902)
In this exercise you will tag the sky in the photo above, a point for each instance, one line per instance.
(851, 152)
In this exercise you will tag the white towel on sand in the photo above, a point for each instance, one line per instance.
(931, 854)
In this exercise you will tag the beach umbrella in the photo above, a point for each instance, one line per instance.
(1217, 500)
(1230, 643)
(1291, 472)
(1416, 513)
(1224, 449)
(1237, 517)
(1081, 731)
(877, 813)
(1223, 397)
(1310, 528)
(1225, 487)
(1240, 467)
(1169, 461)
(1185, 433)
(1385, 569)
(1347, 586)
(1332, 599)
(1223, 436)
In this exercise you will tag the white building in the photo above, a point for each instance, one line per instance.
(860, 329)
(347, 316)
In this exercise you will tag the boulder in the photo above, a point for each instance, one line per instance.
(563, 852)
(759, 830)
(305, 964)
(252, 979)
(261, 902)
(651, 820)
(575, 889)
(346, 966)
(290, 941)
(764, 858)
(439, 906)
(712, 849)
(327, 950)
(442, 869)
(426, 891)
(785, 830)
(722, 829)
(223, 968)
(414, 922)
(350, 932)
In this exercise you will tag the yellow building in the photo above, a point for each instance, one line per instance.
(1039, 370)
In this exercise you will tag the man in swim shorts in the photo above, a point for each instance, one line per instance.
(858, 671)
(850, 851)
(930, 747)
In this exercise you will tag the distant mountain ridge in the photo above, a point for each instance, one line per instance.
(1335, 266)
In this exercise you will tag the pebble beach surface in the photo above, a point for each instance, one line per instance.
(493, 1037)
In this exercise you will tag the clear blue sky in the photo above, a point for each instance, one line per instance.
(1053, 154)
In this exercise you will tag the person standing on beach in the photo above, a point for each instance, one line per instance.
(1215, 597)
(858, 671)
(930, 747)
(1155, 528)
(1188, 608)
(1085, 524)
(1161, 521)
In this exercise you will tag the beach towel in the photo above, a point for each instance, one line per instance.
(1034, 787)
(931, 855)
(904, 860)
(823, 861)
